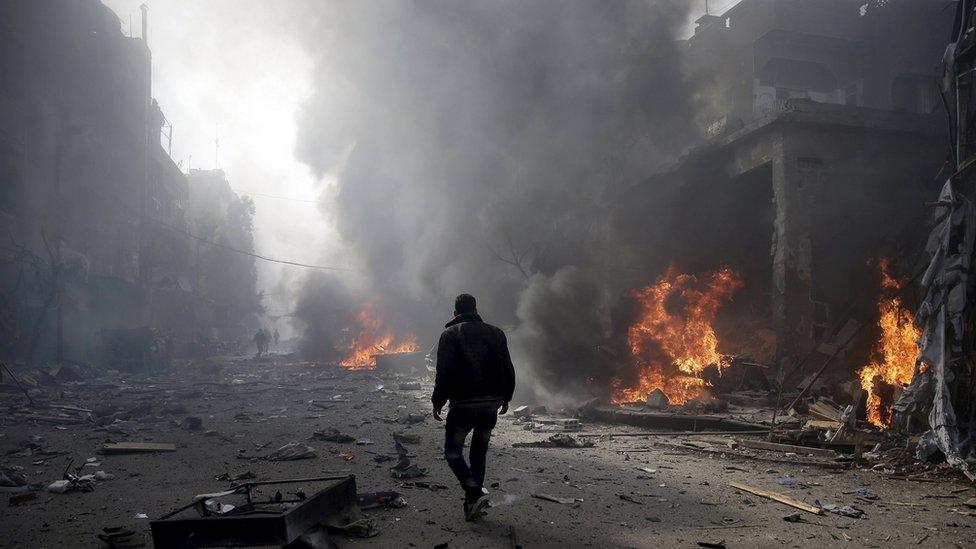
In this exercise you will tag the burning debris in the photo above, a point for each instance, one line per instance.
(895, 353)
(673, 339)
(943, 381)
(375, 338)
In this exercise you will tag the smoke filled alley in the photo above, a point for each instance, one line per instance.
(494, 273)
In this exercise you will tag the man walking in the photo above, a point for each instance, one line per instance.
(475, 373)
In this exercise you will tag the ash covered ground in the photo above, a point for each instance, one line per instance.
(624, 491)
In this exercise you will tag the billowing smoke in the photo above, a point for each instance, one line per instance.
(475, 146)
(323, 309)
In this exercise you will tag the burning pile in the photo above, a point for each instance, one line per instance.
(673, 341)
(894, 354)
(374, 338)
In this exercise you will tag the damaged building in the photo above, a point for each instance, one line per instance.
(829, 136)
(710, 274)
(94, 213)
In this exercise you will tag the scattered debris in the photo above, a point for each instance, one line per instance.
(554, 499)
(403, 468)
(136, 447)
(242, 476)
(292, 451)
(781, 498)
(406, 438)
(843, 510)
(557, 441)
(333, 435)
(117, 537)
(386, 500)
(788, 448)
(276, 522)
(522, 412)
(657, 399)
(411, 419)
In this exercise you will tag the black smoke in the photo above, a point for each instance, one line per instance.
(476, 144)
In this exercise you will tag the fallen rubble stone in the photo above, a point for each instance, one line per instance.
(333, 435)
(10, 477)
(630, 498)
(406, 438)
(242, 476)
(411, 419)
(522, 412)
(410, 471)
(375, 500)
(410, 386)
(60, 487)
(560, 440)
(117, 537)
(843, 510)
(292, 451)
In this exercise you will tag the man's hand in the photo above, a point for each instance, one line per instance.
(437, 414)
(503, 410)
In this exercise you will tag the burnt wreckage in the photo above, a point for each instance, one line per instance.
(942, 389)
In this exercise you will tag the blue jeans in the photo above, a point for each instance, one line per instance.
(461, 420)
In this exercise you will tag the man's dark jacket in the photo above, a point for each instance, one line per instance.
(473, 364)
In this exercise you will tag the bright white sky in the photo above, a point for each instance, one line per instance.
(229, 68)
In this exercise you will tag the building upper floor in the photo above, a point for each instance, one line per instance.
(880, 54)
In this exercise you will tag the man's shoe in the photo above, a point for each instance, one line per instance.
(473, 510)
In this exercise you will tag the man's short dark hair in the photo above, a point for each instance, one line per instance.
(465, 303)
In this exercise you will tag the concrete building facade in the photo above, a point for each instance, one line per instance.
(824, 149)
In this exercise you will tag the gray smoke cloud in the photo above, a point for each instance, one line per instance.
(476, 144)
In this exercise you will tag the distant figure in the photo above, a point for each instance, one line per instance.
(276, 337)
(261, 341)
(475, 373)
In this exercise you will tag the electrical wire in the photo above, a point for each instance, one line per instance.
(244, 252)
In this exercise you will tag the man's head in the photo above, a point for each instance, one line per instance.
(465, 304)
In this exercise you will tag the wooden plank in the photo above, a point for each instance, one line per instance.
(775, 496)
(137, 447)
(774, 447)
(554, 499)
(821, 424)
(673, 433)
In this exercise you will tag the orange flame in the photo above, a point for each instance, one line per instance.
(894, 354)
(374, 339)
(686, 337)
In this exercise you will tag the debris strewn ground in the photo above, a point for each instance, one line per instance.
(265, 419)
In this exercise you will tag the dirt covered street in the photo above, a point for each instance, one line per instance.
(629, 491)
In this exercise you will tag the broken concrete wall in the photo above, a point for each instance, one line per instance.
(846, 185)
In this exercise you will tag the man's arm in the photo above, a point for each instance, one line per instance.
(445, 362)
(509, 371)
